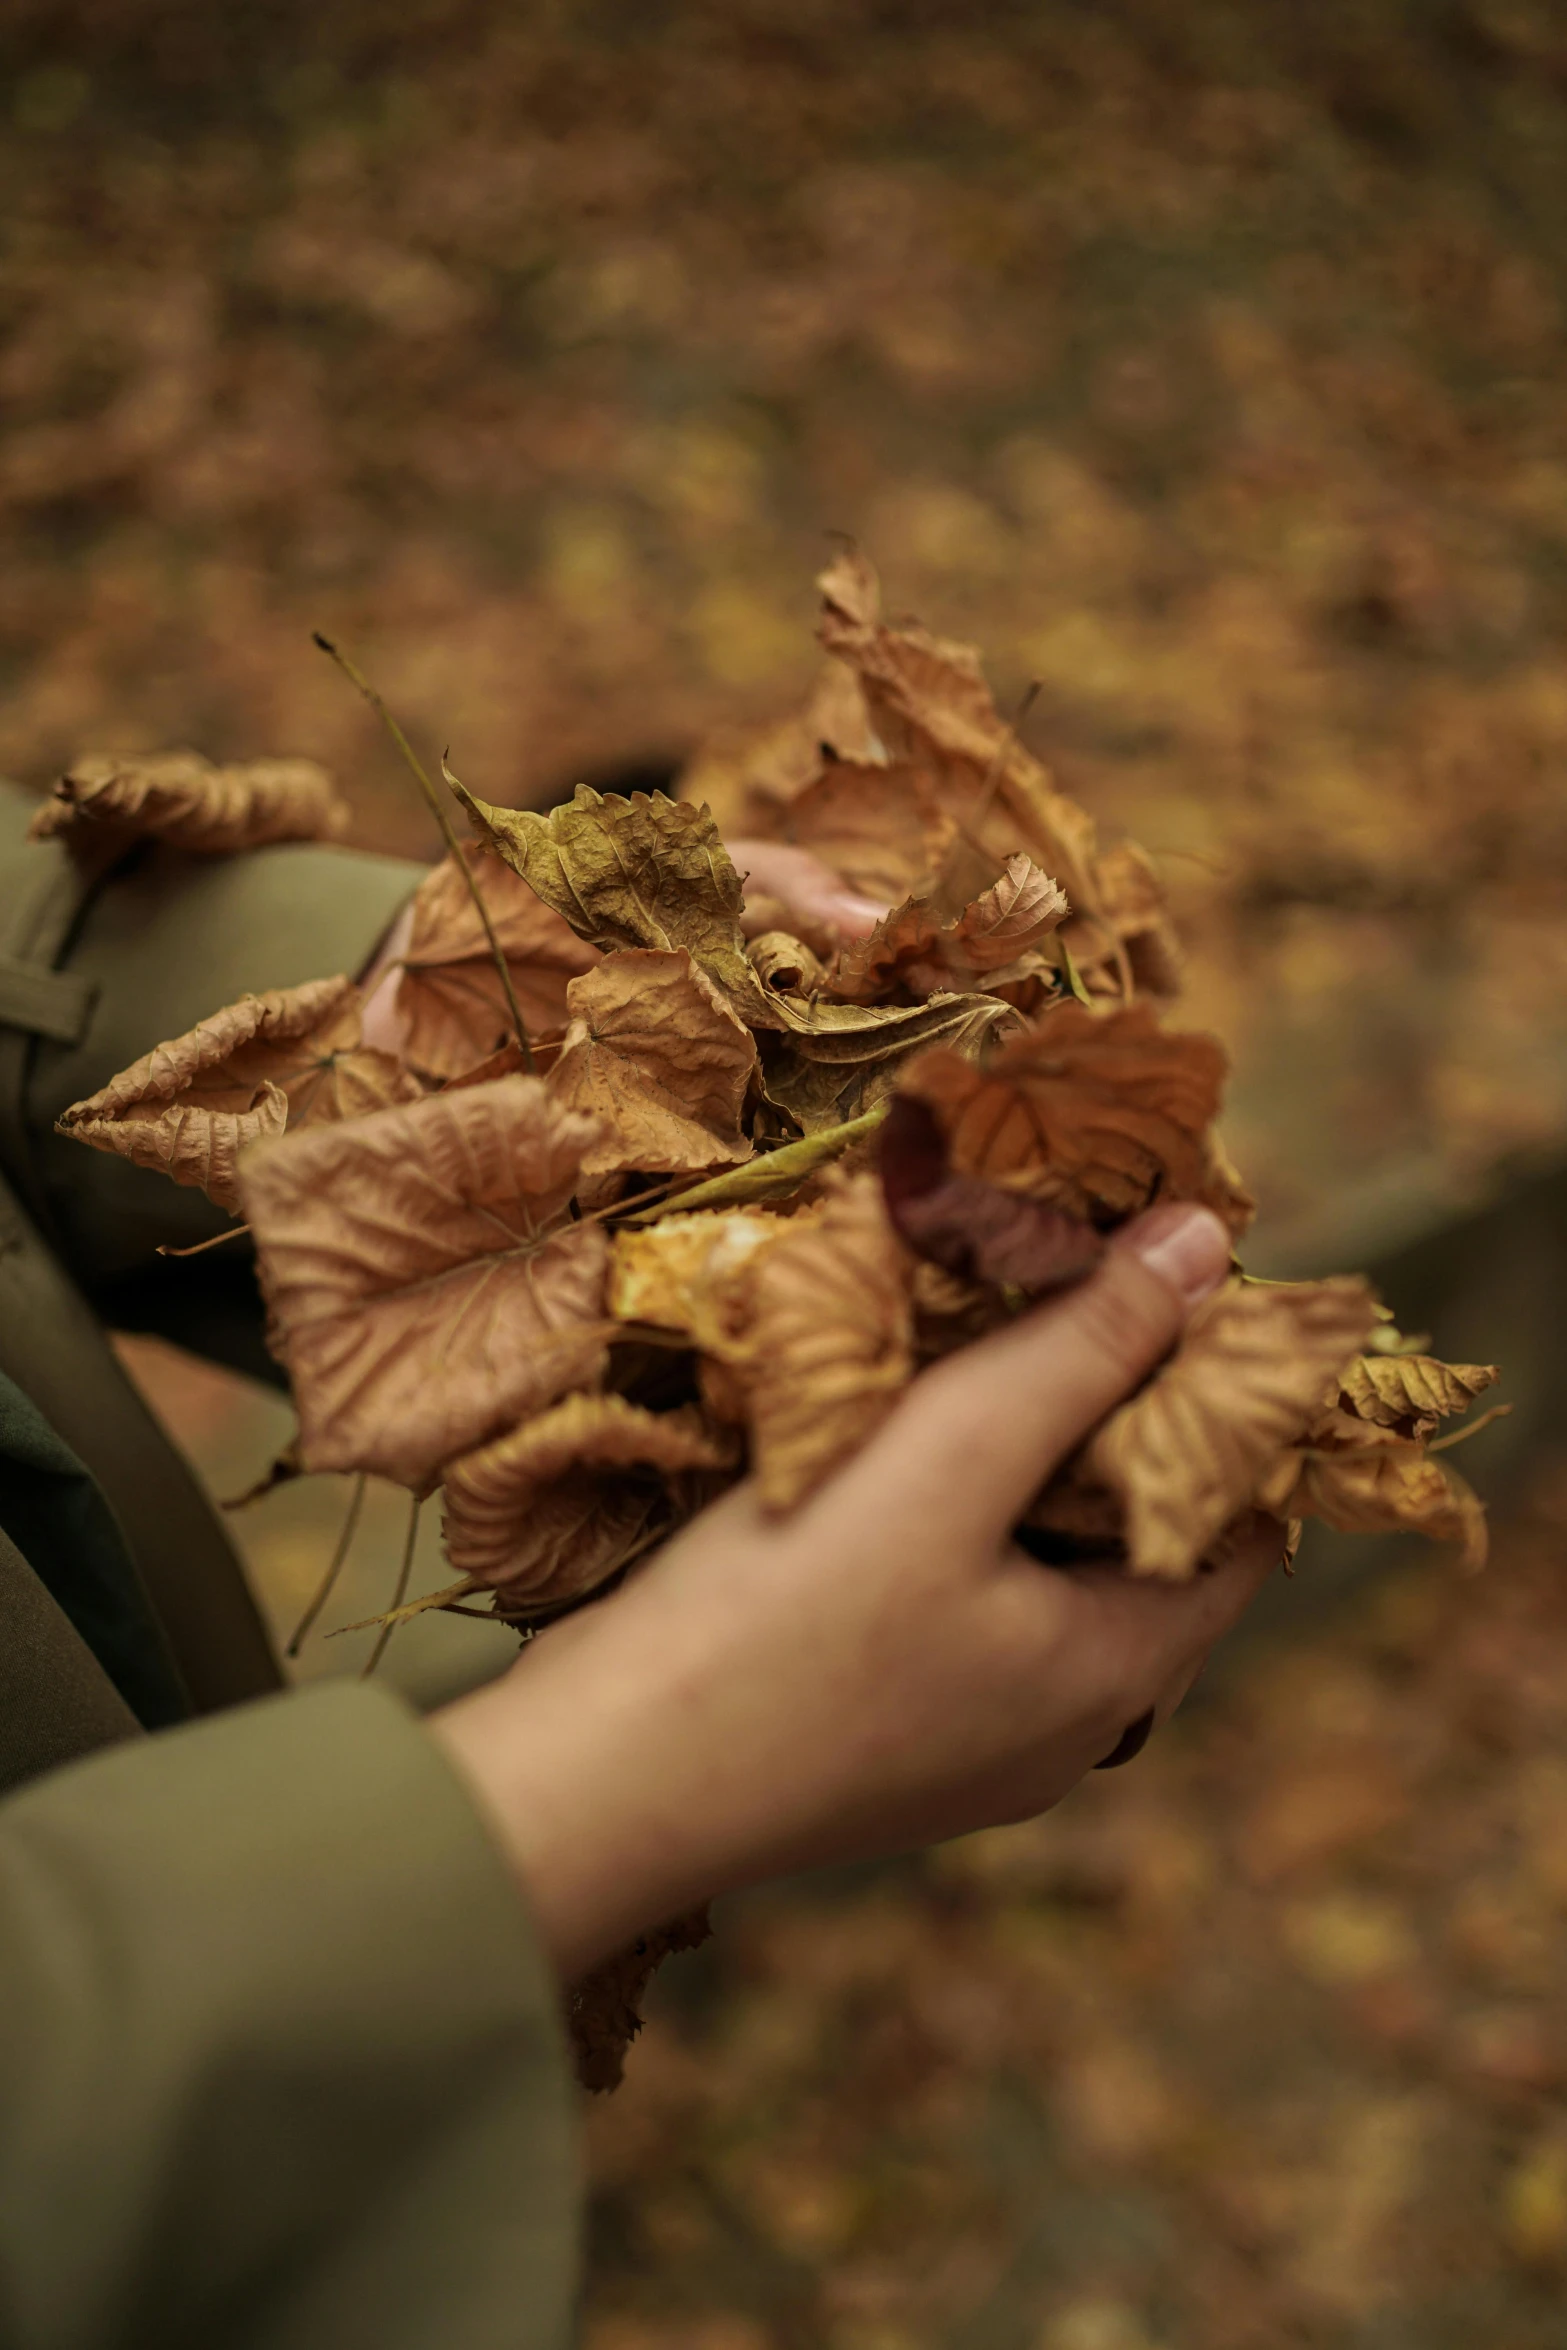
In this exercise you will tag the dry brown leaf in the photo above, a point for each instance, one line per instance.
(685, 1272)
(561, 1503)
(290, 1058)
(449, 992)
(638, 871)
(1411, 1393)
(1385, 1489)
(839, 1060)
(181, 798)
(931, 708)
(880, 828)
(915, 949)
(1191, 1450)
(748, 777)
(601, 2010)
(655, 1053)
(1132, 902)
(785, 964)
(1098, 1112)
(828, 1341)
(970, 1228)
(422, 1293)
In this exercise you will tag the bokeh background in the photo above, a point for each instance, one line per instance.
(1203, 361)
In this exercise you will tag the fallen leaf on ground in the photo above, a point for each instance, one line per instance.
(181, 798)
(559, 1504)
(1192, 1449)
(422, 1293)
(971, 1228)
(1099, 1113)
(288, 1059)
(638, 871)
(657, 1056)
(828, 1341)
(449, 993)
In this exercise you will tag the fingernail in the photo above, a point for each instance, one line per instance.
(1130, 1744)
(1186, 1246)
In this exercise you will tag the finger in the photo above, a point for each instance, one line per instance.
(1151, 1639)
(974, 1439)
(810, 893)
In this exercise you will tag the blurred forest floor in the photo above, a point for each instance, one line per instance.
(1202, 360)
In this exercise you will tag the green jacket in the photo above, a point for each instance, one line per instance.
(281, 2057)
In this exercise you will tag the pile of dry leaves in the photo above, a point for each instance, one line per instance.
(651, 1195)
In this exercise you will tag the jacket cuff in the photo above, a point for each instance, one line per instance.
(276, 2023)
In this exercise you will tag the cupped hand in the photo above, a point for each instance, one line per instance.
(881, 1669)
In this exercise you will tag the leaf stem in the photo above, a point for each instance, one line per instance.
(328, 1581)
(390, 1620)
(1498, 1411)
(442, 817)
(199, 1248)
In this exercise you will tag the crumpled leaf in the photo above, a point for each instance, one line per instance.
(1411, 1393)
(449, 991)
(601, 2010)
(1098, 1112)
(423, 1294)
(785, 964)
(1191, 1450)
(879, 827)
(683, 1272)
(181, 798)
(914, 948)
(637, 871)
(827, 1342)
(931, 707)
(558, 1505)
(289, 1058)
(973, 1229)
(1391, 1488)
(839, 1060)
(655, 1053)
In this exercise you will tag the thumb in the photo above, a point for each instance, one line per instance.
(975, 1438)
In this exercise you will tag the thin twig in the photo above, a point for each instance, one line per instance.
(448, 832)
(199, 1248)
(339, 1556)
(1498, 1411)
(401, 1593)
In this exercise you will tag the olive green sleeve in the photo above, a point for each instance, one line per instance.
(282, 2061)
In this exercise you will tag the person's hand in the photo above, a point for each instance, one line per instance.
(882, 1668)
(789, 889)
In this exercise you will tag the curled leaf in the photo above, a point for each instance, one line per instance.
(971, 1228)
(1411, 1393)
(290, 1058)
(601, 2009)
(684, 1273)
(771, 1174)
(838, 1060)
(638, 871)
(561, 1503)
(449, 992)
(827, 1342)
(1098, 1112)
(181, 798)
(1387, 1489)
(1193, 1448)
(915, 949)
(657, 1056)
(423, 1293)
(785, 964)
(931, 708)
